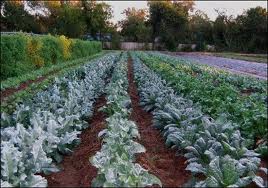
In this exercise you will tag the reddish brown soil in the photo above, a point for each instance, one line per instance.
(158, 159)
(10, 91)
(247, 92)
(264, 164)
(76, 168)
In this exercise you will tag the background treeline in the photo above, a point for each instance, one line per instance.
(22, 53)
(172, 22)
(70, 18)
(166, 22)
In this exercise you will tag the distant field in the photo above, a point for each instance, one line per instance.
(236, 66)
(260, 58)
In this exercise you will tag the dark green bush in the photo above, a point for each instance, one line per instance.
(201, 46)
(171, 44)
(187, 48)
(51, 51)
(115, 43)
(23, 53)
(13, 56)
(80, 48)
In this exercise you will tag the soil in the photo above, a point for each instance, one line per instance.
(10, 91)
(264, 164)
(76, 168)
(247, 92)
(158, 159)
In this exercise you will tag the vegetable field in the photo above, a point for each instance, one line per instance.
(137, 119)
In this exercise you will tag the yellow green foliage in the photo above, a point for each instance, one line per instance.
(34, 46)
(22, 53)
(66, 46)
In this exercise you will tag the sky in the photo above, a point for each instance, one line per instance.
(232, 7)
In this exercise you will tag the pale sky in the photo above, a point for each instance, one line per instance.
(232, 7)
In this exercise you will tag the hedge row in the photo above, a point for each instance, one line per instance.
(22, 53)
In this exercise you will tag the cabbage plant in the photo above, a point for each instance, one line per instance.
(116, 159)
(204, 141)
(46, 127)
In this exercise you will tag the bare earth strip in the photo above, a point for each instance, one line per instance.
(158, 159)
(76, 168)
(23, 85)
(257, 70)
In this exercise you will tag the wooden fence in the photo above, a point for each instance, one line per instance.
(130, 46)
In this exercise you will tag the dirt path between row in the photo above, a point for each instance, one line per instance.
(158, 159)
(76, 168)
(10, 91)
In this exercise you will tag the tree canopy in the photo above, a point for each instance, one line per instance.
(70, 18)
(168, 22)
(135, 27)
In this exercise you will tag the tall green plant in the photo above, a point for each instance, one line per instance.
(21, 53)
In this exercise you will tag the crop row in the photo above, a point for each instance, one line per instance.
(47, 126)
(218, 93)
(205, 72)
(213, 148)
(116, 159)
(14, 82)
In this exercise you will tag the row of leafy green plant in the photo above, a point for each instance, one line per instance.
(14, 82)
(9, 103)
(218, 92)
(213, 148)
(23, 53)
(116, 159)
(202, 71)
(46, 127)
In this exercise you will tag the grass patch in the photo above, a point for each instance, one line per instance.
(14, 82)
(9, 104)
(259, 58)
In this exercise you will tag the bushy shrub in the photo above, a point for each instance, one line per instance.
(115, 43)
(22, 53)
(170, 44)
(187, 48)
(66, 46)
(76, 48)
(33, 50)
(52, 51)
(13, 55)
(82, 48)
(201, 46)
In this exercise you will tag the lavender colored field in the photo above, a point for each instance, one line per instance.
(254, 69)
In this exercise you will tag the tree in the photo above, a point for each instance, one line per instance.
(70, 22)
(254, 27)
(219, 28)
(97, 16)
(186, 6)
(115, 36)
(245, 33)
(134, 27)
(169, 20)
(23, 22)
(71, 18)
(200, 29)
